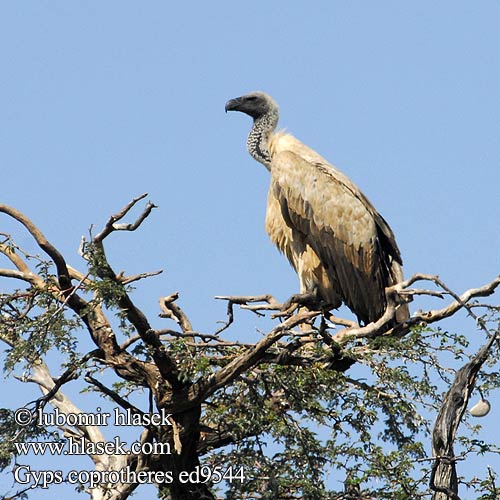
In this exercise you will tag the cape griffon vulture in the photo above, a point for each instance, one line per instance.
(341, 248)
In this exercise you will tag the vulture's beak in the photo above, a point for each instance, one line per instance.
(233, 104)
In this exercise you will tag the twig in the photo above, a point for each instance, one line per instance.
(126, 280)
(111, 223)
(464, 304)
(243, 302)
(113, 395)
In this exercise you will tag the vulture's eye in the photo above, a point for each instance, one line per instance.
(252, 98)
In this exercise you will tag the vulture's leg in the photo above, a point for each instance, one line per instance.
(305, 300)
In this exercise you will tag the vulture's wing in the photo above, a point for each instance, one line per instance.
(353, 242)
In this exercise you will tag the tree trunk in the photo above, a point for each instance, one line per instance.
(184, 438)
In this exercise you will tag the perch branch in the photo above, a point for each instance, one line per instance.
(243, 302)
(432, 316)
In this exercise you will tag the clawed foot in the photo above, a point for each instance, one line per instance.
(310, 300)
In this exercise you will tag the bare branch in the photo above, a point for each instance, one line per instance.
(13, 273)
(245, 299)
(432, 316)
(43, 243)
(126, 280)
(173, 311)
(203, 336)
(164, 363)
(243, 302)
(341, 321)
(111, 223)
(466, 306)
(459, 303)
(415, 291)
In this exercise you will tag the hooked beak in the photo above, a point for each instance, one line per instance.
(233, 104)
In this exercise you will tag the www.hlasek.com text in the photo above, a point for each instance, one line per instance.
(81, 446)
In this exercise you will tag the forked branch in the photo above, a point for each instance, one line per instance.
(432, 316)
(111, 224)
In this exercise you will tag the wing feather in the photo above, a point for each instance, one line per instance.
(353, 242)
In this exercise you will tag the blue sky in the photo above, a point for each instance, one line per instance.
(102, 101)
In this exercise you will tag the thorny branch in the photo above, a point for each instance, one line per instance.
(281, 345)
(135, 316)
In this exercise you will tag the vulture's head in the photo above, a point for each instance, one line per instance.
(255, 104)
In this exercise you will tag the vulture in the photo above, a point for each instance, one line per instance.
(340, 246)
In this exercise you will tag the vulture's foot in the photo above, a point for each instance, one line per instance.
(310, 300)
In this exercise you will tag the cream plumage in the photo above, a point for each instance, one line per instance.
(341, 248)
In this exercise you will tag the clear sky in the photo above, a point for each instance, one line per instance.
(102, 101)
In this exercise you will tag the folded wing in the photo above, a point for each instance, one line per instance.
(326, 211)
